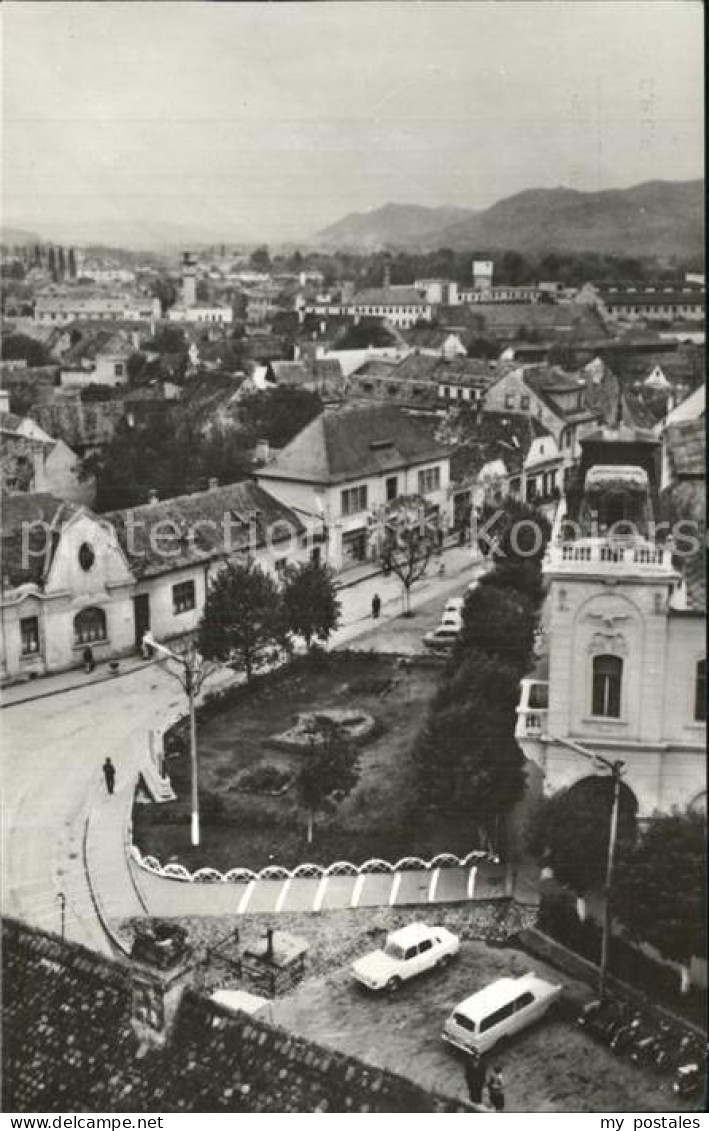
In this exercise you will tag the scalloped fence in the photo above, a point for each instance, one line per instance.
(309, 871)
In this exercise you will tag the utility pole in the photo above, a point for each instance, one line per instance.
(191, 674)
(62, 914)
(616, 770)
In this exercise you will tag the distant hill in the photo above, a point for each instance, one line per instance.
(659, 218)
(392, 225)
(17, 237)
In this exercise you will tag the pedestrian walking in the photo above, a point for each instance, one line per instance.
(88, 657)
(475, 1077)
(496, 1089)
(376, 606)
(109, 773)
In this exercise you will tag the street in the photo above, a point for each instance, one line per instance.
(50, 787)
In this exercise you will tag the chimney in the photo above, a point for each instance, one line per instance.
(262, 451)
(162, 966)
(213, 483)
(153, 496)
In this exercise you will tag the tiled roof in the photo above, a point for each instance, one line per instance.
(493, 436)
(29, 523)
(352, 443)
(389, 296)
(421, 337)
(417, 367)
(174, 533)
(69, 1045)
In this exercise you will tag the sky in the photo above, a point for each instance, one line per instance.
(241, 121)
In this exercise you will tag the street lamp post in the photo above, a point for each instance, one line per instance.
(62, 913)
(616, 770)
(191, 674)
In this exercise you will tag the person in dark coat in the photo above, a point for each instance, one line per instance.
(88, 658)
(376, 606)
(496, 1089)
(109, 773)
(475, 1077)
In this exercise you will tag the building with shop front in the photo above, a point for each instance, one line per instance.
(347, 464)
(626, 632)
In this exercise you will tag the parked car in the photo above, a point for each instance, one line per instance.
(408, 952)
(442, 637)
(454, 605)
(501, 1009)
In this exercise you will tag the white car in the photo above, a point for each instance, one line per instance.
(454, 606)
(407, 953)
(442, 637)
(501, 1009)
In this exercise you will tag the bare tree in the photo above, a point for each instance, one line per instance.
(409, 538)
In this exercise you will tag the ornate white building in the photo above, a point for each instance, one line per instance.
(626, 632)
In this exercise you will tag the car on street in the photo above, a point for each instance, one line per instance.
(442, 638)
(501, 1009)
(454, 606)
(408, 952)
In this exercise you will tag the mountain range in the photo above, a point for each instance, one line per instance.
(660, 218)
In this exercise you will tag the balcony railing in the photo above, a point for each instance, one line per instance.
(613, 556)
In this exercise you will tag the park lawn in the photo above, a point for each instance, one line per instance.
(253, 830)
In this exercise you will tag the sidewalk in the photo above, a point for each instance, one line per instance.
(357, 587)
(75, 678)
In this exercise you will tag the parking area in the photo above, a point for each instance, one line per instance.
(553, 1066)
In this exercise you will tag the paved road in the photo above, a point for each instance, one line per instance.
(53, 747)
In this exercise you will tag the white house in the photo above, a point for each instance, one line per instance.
(73, 579)
(347, 464)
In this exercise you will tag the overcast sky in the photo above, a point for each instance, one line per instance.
(273, 120)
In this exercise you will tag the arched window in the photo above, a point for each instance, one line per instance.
(607, 681)
(89, 626)
(700, 692)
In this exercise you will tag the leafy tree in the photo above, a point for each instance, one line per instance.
(165, 290)
(499, 623)
(408, 542)
(660, 891)
(243, 622)
(260, 259)
(280, 414)
(514, 531)
(469, 765)
(570, 830)
(61, 263)
(20, 347)
(72, 263)
(524, 576)
(312, 609)
(328, 771)
(52, 264)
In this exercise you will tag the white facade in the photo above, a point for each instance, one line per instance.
(349, 510)
(202, 313)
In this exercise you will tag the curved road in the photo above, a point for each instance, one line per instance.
(53, 748)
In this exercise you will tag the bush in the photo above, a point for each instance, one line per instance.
(265, 778)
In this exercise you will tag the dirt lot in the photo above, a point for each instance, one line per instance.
(253, 830)
(552, 1067)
